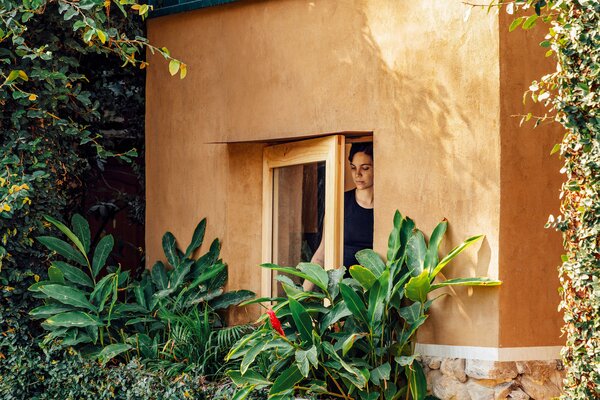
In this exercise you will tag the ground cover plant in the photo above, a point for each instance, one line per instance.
(350, 338)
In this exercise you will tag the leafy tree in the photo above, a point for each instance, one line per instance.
(50, 112)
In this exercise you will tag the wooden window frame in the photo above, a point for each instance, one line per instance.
(328, 149)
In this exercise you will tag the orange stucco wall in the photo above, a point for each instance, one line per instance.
(424, 81)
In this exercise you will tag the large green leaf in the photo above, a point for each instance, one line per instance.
(69, 234)
(302, 320)
(377, 296)
(63, 248)
(73, 274)
(349, 342)
(197, 238)
(306, 357)
(431, 257)
(416, 381)
(230, 298)
(159, 275)
(78, 319)
(67, 295)
(111, 351)
(380, 373)
(475, 281)
(394, 238)
(418, 287)
(371, 260)
(354, 302)
(81, 229)
(170, 248)
(335, 277)
(243, 393)
(411, 313)
(249, 378)
(179, 273)
(286, 381)
(295, 272)
(363, 275)
(102, 291)
(49, 310)
(415, 253)
(455, 251)
(406, 231)
(251, 356)
(337, 312)
(56, 275)
(316, 272)
(355, 375)
(103, 249)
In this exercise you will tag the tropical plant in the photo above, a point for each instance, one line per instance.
(112, 314)
(359, 345)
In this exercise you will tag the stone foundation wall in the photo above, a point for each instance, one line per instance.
(460, 379)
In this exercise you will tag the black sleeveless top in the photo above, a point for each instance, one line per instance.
(358, 228)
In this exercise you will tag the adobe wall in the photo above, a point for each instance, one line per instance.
(424, 81)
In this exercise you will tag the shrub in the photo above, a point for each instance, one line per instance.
(361, 344)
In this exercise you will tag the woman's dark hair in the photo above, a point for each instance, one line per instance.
(364, 147)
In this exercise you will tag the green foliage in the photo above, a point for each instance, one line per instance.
(29, 373)
(361, 344)
(50, 112)
(570, 95)
(169, 314)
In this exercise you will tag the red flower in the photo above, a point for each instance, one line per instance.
(275, 322)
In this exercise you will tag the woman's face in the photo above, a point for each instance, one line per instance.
(362, 170)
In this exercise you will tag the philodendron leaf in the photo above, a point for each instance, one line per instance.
(416, 381)
(349, 342)
(415, 253)
(170, 248)
(81, 228)
(285, 381)
(230, 298)
(295, 272)
(67, 295)
(431, 257)
(418, 287)
(197, 238)
(338, 311)
(103, 249)
(63, 248)
(111, 351)
(411, 313)
(371, 260)
(243, 393)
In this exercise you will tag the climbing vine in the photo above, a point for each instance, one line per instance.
(571, 95)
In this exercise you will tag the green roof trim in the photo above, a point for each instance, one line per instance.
(167, 7)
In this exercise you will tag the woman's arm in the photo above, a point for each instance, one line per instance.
(317, 258)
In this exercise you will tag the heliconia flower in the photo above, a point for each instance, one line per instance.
(275, 322)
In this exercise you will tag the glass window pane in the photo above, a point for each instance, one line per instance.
(298, 210)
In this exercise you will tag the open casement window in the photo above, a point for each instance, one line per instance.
(302, 200)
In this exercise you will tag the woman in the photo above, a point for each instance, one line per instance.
(358, 207)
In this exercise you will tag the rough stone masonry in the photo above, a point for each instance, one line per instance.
(464, 379)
